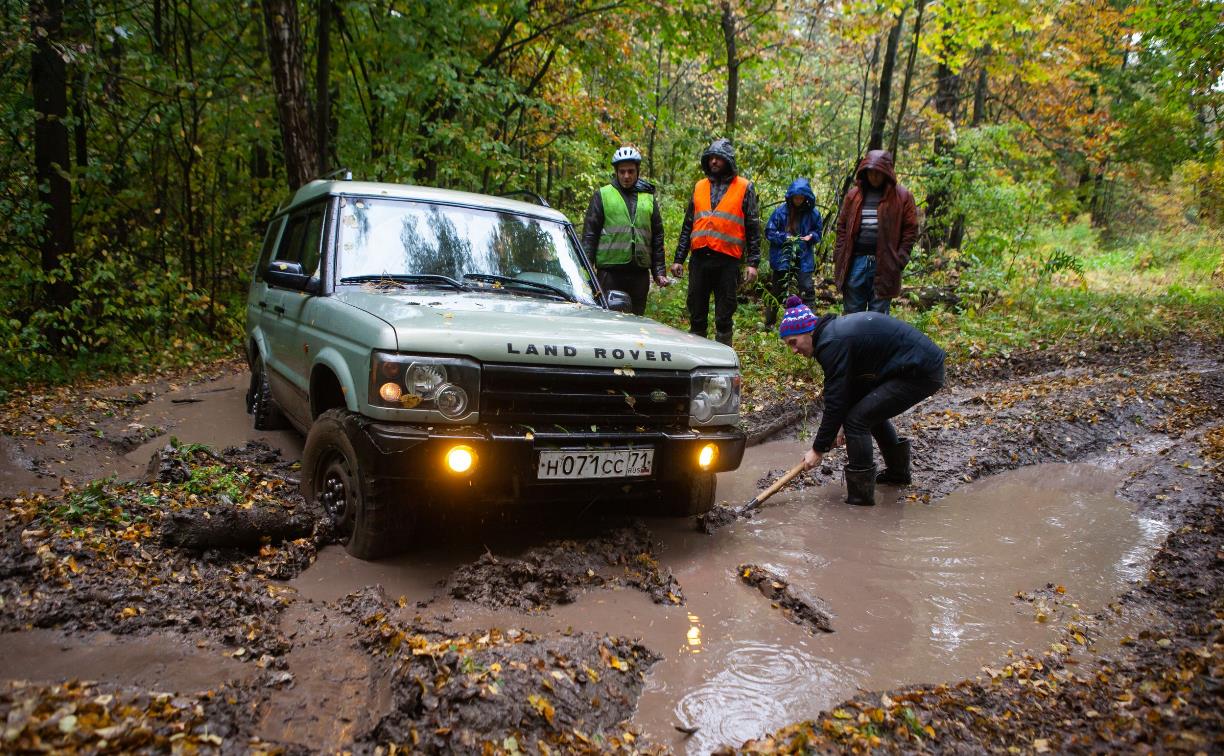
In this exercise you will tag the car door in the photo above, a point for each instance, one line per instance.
(257, 296)
(287, 361)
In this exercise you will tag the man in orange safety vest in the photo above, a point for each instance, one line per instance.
(722, 230)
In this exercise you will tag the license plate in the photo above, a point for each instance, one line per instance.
(562, 464)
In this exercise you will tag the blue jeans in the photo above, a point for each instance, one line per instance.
(858, 293)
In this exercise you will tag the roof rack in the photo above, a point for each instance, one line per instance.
(524, 193)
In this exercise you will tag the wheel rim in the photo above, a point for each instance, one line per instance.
(336, 491)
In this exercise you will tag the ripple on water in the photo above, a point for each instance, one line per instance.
(759, 687)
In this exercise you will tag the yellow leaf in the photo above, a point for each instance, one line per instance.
(128, 611)
(542, 706)
(616, 663)
(842, 714)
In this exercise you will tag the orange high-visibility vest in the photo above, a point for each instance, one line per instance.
(722, 228)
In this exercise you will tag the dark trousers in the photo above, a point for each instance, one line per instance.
(781, 284)
(717, 274)
(630, 279)
(869, 416)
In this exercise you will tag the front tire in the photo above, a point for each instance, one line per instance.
(265, 415)
(338, 480)
(692, 495)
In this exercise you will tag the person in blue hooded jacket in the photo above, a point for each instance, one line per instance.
(794, 220)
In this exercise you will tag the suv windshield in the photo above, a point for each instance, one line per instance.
(423, 243)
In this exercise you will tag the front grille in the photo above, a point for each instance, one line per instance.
(530, 394)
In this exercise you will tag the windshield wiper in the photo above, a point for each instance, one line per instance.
(407, 278)
(542, 288)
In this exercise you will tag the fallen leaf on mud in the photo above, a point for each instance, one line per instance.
(543, 707)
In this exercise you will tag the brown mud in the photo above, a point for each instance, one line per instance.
(556, 572)
(795, 603)
(580, 631)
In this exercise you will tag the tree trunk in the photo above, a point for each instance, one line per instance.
(286, 56)
(939, 223)
(909, 77)
(49, 84)
(322, 90)
(875, 140)
(733, 64)
(979, 98)
(858, 141)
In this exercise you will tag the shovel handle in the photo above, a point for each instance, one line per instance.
(777, 484)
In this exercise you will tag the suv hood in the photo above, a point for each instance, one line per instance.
(527, 330)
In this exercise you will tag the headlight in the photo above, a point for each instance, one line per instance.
(715, 396)
(442, 385)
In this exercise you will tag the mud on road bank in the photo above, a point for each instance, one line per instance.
(1154, 411)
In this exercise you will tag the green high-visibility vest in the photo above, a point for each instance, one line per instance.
(624, 239)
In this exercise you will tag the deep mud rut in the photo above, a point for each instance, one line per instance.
(1086, 583)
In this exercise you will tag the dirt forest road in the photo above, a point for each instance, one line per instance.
(1051, 582)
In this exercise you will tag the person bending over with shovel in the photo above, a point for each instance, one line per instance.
(875, 367)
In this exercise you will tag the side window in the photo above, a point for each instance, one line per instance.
(301, 240)
(312, 238)
(265, 256)
(290, 249)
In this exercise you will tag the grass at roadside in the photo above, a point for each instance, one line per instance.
(1139, 288)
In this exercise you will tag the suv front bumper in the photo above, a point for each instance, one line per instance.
(507, 455)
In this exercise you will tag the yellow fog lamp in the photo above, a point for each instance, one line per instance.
(461, 459)
(707, 456)
(390, 392)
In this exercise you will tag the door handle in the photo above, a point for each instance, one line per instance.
(279, 310)
(263, 305)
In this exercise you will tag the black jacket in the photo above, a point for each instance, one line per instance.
(718, 187)
(593, 223)
(859, 352)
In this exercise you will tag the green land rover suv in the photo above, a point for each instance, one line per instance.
(438, 346)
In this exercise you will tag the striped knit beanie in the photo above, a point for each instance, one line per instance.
(798, 319)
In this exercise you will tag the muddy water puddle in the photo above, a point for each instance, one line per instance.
(211, 412)
(158, 662)
(918, 592)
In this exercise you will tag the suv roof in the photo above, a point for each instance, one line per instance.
(319, 188)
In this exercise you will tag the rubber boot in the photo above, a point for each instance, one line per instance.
(771, 317)
(723, 337)
(860, 486)
(896, 464)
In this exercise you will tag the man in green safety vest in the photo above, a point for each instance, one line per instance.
(623, 232)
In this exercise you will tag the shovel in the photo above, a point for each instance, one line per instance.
(777, 485)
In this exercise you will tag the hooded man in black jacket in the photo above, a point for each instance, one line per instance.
(721, 233)
(875, 367)
(626, 250)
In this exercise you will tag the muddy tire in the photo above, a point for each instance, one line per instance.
(691, 496)
(337, 480)
(265, 415)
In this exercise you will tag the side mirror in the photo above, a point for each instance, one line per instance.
(289, 275)
(619, 301)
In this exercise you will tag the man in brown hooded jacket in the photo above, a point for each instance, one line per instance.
(876, 229)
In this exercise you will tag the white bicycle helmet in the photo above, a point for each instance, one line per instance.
(626, 154)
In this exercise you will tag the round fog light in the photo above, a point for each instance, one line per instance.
(390, 392)
(461, 459)
(707, 455)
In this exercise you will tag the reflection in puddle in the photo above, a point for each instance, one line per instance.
(694, 634)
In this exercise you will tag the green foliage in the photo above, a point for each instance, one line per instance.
(174, 107)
